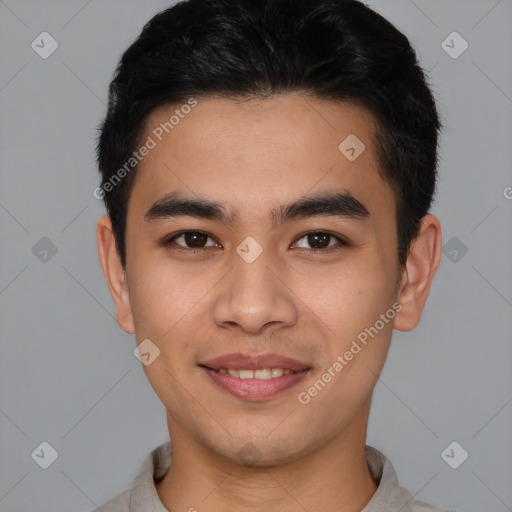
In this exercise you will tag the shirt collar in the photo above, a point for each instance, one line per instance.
(143, 495)
(389, 495)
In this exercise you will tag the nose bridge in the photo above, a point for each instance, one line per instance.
(252, 284)
(251, 296)
(252, 277)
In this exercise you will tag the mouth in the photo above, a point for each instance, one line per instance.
(260, 373)
(255, 377)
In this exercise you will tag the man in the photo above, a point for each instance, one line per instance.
(268, 168)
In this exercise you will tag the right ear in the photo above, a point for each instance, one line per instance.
(114, 273)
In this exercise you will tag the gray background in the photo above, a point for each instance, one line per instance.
(68, 375)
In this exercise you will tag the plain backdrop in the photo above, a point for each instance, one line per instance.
(68, 376)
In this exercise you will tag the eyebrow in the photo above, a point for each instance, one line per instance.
(337, 204)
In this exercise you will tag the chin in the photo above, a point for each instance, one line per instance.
(254, 452)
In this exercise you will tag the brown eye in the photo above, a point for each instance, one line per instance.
(195, 239)
(320, 241)
(190, 240)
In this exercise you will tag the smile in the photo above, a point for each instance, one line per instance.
(255, 385)
(262, 374)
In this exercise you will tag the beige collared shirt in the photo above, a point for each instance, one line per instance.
(142, 496)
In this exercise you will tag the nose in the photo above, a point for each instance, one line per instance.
(254, 297)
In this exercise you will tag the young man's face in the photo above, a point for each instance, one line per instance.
(257, 286)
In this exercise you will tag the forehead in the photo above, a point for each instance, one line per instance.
(251, 151)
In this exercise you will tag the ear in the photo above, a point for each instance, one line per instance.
(114, 273)
(421, 265)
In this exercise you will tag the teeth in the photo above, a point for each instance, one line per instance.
(261, 374)
(265, 373)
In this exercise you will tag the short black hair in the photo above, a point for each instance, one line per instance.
(331, 49)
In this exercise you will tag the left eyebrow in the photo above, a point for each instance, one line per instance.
(337, 204)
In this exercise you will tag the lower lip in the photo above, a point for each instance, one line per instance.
(255, 389)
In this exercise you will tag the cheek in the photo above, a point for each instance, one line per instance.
(348, 299)
(171, 309)
(351, 305)
(162, 295)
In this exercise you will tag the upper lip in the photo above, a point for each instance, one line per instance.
(253, 362)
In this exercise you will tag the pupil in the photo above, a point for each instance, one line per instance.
(313, 239)
(192, 238)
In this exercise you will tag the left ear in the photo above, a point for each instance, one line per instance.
(421, 265)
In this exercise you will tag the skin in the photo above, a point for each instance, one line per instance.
(253, 156)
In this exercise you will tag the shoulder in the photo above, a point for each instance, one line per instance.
(390, 495)
(420, 506)
(119, 503)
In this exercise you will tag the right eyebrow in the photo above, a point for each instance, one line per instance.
(171, 205)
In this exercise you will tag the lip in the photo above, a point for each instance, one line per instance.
(254, 362)
(254, 389)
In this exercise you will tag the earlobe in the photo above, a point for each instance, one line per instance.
(114, 273)
(418, 273)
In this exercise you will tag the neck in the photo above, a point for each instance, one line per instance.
(332, 477)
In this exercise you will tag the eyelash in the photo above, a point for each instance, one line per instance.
(169, 241)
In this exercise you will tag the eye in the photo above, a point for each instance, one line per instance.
(197, 241)
(321, 241)
(191, 241)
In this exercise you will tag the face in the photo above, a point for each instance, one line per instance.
(254, 242)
